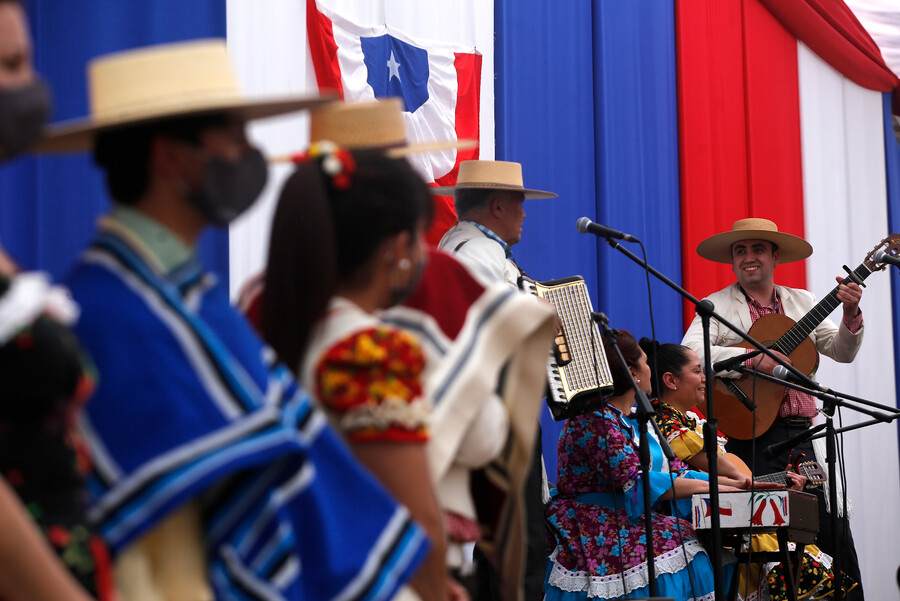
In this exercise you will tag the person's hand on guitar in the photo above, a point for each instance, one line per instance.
(849, 294)
(766, 364)
(798, 481)
(744, 482)
(741, 481)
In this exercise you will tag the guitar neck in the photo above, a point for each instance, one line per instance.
(791, 339)
(811, 471)
(777, 477)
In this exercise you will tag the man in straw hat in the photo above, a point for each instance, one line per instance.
(489, 198)
(754, 248)
(216, 477)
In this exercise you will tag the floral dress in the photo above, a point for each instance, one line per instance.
(596, 518)
(368, 377)
(756, 582)
(47, 379)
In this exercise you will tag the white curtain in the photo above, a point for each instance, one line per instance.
(845, 216)
(881, 18)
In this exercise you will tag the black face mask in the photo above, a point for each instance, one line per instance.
(23, 112)
(230, 188)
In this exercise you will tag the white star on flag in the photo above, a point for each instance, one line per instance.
(393, 67)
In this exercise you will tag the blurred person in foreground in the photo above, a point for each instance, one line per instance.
(475, 339)
(215, 477)
(46, 379)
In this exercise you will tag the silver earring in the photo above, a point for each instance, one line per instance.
(404, 264)
(674, 388)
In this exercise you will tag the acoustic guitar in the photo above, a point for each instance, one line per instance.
(780, 333)
(815, 475)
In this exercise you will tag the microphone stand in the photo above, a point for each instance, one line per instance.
(829, 402)
(706, 310)
(827, 395)
(644, 414)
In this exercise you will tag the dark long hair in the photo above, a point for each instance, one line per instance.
(632, 353)
(663, 358)
(324, 235)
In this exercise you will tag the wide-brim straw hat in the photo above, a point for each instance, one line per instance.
(163, 82)
(491, 175)
(369, 125)
(790, 248)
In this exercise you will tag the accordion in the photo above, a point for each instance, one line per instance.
(579, 380)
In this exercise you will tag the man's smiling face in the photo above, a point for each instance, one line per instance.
(754, 262)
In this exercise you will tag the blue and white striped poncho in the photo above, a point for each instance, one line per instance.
(191, 405)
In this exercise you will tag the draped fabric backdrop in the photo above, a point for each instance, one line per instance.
(588, 109)
(881, 18)
(667, 120)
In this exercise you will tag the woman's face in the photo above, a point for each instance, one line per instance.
(641, 373)
(689, 385)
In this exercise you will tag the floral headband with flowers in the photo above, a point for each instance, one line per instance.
(337, 162)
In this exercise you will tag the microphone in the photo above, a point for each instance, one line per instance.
(600, 318)
(782, 373)
(880, 257)
(732, 362)
(774, 450)
(586, 226)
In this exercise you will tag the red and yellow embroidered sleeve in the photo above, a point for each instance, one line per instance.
(372, 381)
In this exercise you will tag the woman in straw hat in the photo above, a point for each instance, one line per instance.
(346, 243)
(46, 379)
(478, 330)
(379, 124)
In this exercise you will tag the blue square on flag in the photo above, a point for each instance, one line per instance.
(396, 68)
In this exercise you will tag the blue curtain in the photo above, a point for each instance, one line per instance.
(588, 107)
(49, 205)
(636, 140)
(892, 168)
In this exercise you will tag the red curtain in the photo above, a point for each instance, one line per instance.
(739, 131)
(323, 49)
(831, 30)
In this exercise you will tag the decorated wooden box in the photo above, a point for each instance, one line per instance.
(763, 510)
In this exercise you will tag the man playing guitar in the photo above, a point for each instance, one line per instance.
(754, 247)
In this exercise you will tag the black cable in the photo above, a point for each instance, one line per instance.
(752, 490)
(656, 383)
(845, 519)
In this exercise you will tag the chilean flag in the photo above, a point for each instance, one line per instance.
(439, 83)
